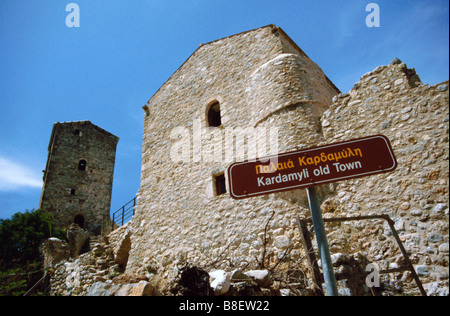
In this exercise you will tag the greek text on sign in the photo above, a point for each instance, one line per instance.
(299, 169)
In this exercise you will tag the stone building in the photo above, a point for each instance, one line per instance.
(257, 87)
(79, 174)
(258, 93)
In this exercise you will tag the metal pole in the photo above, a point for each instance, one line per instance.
(324, 250)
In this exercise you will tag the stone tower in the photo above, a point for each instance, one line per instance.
(249, 88)
(79, 174)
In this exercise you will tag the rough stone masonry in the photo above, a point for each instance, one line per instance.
(78, 177)
(262, 79)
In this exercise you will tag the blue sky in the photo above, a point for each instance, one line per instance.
(123, 51)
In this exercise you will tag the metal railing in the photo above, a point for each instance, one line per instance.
(317, 278)
(122, 215)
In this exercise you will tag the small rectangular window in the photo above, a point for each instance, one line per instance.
(220, 186)
(82, 165)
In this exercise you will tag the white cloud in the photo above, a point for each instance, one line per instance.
(14, 176)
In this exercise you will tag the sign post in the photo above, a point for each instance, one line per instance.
(322, 243)
(308, 168)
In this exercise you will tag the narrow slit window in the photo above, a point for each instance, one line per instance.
(219, 181)
(214, 116)
(82, 165)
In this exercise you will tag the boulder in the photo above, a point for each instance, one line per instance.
(261, 277)
(220, 282)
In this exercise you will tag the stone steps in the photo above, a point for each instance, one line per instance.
(93, 240)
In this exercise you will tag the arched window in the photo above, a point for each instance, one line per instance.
(82, 165)
(213, 116)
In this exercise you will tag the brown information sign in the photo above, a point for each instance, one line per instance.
(299, 169)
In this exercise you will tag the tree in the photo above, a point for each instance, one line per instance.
(21, 236)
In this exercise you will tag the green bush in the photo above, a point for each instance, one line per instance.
(20, 238)
(12, 284)
(21, 235)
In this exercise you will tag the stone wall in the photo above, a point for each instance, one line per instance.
(391, 100)
(69, 192)
(96, 273)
